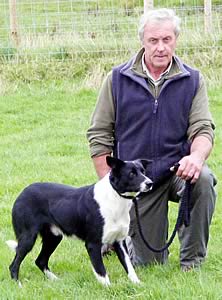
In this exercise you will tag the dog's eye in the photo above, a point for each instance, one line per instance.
(132, 174)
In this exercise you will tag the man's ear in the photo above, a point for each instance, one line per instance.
(114, 163)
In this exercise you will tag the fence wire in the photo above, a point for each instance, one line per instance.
(62, 29)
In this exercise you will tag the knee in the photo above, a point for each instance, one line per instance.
(204, 187)
(206, 179)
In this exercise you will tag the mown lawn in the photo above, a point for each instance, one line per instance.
(42, 129)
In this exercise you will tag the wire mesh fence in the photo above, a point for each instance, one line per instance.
(63, 29)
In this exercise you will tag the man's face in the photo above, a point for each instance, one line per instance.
(159, 42)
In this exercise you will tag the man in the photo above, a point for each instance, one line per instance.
(156, 107)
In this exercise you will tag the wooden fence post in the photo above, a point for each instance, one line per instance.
(13, 23)
(207, 16)
(148, 4)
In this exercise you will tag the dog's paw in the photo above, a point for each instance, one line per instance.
(19, 284)
(134, 278)
(50, 275)
(102, 279)
(106, 282)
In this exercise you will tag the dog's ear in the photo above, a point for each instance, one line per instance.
(114, 163)
(145, 162)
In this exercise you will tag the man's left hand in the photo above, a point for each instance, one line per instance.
(190, 167)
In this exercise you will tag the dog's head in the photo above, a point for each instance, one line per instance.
(129, 176)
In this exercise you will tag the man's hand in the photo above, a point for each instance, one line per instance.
(191, 165)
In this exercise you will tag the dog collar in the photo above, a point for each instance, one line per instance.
(129, 195)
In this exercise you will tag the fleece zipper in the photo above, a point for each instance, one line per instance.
(155, 132)
(154, 136)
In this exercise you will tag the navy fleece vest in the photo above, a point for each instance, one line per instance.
(151, 128)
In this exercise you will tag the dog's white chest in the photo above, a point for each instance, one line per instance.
(115, 211)
(115, 230)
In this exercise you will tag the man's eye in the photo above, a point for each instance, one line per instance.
(167, 39)
(153, 41)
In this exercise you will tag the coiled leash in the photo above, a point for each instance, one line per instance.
(183, 215)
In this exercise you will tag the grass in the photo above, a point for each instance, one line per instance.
(42, 127)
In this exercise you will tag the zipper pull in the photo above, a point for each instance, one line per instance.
(155, 106)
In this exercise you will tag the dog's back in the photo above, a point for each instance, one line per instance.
(68, 208)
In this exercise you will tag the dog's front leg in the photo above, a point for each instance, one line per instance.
(94, 251)
(120, 248)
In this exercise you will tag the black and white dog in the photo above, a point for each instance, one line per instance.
(97, 214)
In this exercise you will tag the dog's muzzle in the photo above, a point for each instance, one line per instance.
(147, 185)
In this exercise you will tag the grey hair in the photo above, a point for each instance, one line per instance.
(159, 15)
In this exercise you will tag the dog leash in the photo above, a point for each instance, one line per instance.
(183, 217)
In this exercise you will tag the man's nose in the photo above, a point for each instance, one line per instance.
(160, 45)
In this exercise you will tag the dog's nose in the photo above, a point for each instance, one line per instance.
(149, 185)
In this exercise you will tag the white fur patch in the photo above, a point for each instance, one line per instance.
(56, 230)
(12, 244)
(104, 280)
(50, 275)
(131, 272)
(143, 185)
(114, 209)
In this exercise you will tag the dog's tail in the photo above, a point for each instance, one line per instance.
(12, 244)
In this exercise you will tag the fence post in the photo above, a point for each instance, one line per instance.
(13, 22)
(148, 4)
(207, 15)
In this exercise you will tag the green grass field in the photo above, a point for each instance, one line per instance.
(42, 129)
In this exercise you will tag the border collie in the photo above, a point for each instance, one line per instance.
(97, 214)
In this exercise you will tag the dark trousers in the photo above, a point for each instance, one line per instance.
(153, 211)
